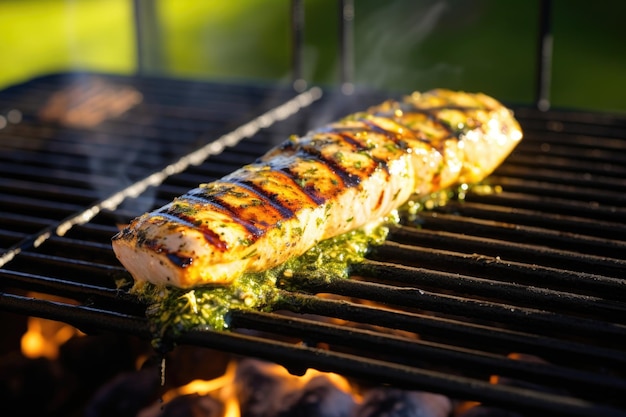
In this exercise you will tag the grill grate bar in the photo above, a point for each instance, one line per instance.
(551, 205)
(584, 180)
(552, 136)
(67, 267)
(544, 322)
(463, 333)
(9, 238)
(22, 222)
(117, 300)
(513, 293)
(38, 135)
(580, 159)
(571, 193)
(534, 218)
(492, 267)
(502, 250)
(83, 317)
(572, 127)
(561, 239)
(78, 178)
(605, 171)
(37, 207)
(80, 196)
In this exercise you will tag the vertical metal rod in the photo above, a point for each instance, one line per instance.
(544, 56)
(148, 36)
(297, 41)
(138, 25)
(346, 45)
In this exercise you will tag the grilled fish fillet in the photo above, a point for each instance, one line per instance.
(310, 188)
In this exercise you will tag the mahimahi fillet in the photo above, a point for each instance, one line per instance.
(334, 179)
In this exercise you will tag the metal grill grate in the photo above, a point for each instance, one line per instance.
(535, 269)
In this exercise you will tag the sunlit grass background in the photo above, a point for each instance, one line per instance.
(400, 45)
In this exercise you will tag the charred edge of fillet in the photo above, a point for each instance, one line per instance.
(179, 217)
(153, 246)
(124, 234)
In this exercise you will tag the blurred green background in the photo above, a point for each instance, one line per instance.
(400, 45)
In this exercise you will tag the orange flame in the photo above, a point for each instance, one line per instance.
(224, 387)
(221, 386)
(43, 337)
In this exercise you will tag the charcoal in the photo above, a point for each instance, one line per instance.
(126, 394)
(484, 411)
(13, 327)
(259, 393)
(319, 397)
(193, 405)
(186, 363)
(391, 402)
(95, 359)
(520, 383)
(32, 387)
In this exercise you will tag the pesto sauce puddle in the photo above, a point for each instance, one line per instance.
(172, 311)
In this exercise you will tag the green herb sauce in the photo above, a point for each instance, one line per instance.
(172, 311)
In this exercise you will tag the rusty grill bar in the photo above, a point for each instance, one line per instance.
(535, 269)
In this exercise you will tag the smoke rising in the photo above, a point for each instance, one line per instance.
(388, 44)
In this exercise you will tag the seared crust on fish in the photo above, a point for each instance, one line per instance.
(334, 179)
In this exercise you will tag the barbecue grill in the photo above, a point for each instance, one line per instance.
(535, 267)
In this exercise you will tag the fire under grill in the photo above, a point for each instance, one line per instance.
(535, 268)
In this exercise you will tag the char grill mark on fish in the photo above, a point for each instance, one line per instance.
(175, 214)
(376, 143)
(325, 154)
(264, 198)
(365, 149)
(277, 187)
(434, 129)
(396, 137)
(234, 200)
(180, 261)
